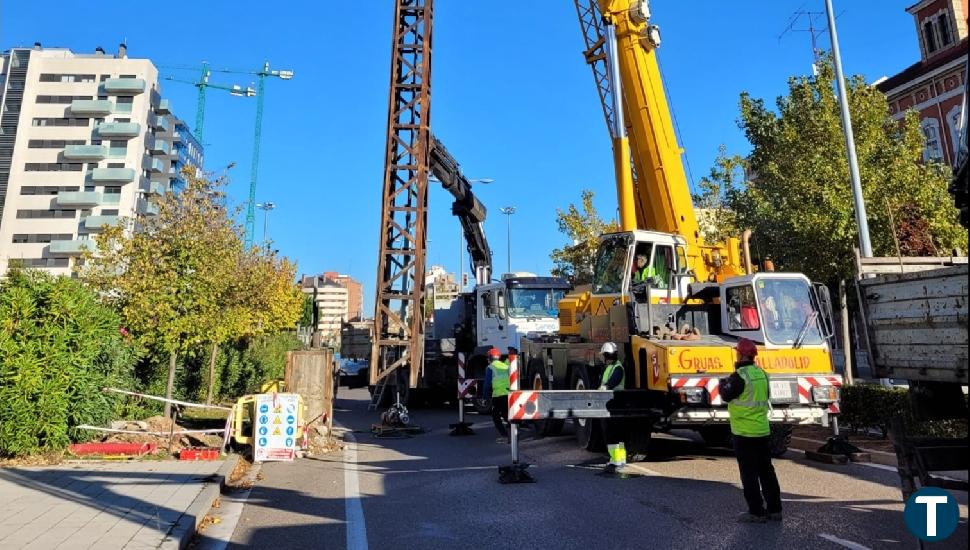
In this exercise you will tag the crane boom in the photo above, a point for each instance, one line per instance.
(467, 208)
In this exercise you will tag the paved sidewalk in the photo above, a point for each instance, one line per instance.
(152, 504)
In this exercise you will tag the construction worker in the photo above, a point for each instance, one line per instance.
(497, 388)
(613, 379)
(641, 271)
(746, 392)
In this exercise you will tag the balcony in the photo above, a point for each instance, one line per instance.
(97, 222)
(157, 166)
(111, 198)
(113, 175)
(163, 107)
(85, 152)
(78, 198)
(119, 129)
(147, 208)
(91, 107)
(161, 123)
(72, 248)
(155, 188)
(124, 86)
(160, 147)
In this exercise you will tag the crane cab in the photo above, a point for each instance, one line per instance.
(649, 263)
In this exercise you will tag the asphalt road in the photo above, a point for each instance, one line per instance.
(437, 491)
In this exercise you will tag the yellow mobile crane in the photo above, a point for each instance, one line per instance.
(677, 316)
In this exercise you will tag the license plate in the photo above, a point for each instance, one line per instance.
(780, 389)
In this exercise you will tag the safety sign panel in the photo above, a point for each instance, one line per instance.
(276, 415)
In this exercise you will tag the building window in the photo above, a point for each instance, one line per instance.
(46, 189)
(929, 36)
(955, 122)
(60, 99)
(53, 143)
(937, 32)
(21, 238)
(53, 167)
(933, 148)
(46, 214)
(123, 104)
(943, 29)
(41, 262)
(49, 77)
(60, 122)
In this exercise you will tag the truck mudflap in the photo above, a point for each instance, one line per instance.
(562, 404)
(784, 389)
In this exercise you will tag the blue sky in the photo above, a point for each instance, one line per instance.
(512, 99)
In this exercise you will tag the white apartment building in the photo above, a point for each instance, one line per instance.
(85, 141)
(332, 301)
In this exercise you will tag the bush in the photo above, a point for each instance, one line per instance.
(873, 406)
(58, 347)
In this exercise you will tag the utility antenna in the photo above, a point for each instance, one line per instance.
(813, 23)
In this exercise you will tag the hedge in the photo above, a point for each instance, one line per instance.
(873, 406)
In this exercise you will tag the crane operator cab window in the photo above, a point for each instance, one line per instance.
(653, 264)
(611, 265)
(742, 308)
(788, 311)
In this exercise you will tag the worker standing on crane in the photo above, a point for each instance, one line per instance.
(746, 392)
(613, 379)
(497, 388)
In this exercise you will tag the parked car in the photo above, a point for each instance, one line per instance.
(354, 372)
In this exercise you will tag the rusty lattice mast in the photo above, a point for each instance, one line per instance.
(399, 299)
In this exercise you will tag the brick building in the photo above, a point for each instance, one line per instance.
(934, 86)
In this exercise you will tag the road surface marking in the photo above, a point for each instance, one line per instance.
(643, 469)
(842, 542)
(353, 509)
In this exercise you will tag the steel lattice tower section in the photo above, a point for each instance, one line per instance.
(399, 299)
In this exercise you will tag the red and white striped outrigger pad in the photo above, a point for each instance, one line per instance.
(805, 384)
(523, 405)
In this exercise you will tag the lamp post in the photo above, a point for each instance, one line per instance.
(508, 211)
(265, 207)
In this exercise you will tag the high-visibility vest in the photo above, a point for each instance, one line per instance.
(642, 275)
(749, 411)
(500, 378)
(609, 372)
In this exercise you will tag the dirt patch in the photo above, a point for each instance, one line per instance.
(44, 459)
(863, 441)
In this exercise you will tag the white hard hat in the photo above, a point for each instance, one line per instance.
(608, 347)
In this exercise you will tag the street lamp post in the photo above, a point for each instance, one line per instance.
(265, 207)
(508, 211)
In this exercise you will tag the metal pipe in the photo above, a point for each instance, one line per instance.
(746, 245)
(621, 142)
(865, 245)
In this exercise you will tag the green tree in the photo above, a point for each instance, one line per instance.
(715, 218)
(59, 345)
(799, 200)
(171, 274)
(582, 226)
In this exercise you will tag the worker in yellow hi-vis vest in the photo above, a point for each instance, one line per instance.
(613, 379)
(746, 392)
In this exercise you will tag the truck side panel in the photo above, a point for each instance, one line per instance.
(917, 324)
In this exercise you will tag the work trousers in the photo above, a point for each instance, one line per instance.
(758, 477)
(500, 414)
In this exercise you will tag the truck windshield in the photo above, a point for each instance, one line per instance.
(534, 302)
(786, 308)
(610, 266)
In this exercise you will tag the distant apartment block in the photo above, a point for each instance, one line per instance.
(86, 140)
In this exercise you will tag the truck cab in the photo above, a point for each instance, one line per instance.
(521, 304)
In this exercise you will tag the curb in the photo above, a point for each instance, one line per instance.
(878, 457)
(187, 525)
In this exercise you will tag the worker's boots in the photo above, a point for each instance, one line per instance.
(617, 458)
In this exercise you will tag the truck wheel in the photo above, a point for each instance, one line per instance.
(717, 436)
(537, 381)
(638, 443)
(780, 439)
(589, 432)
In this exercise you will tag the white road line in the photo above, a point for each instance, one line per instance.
(643, 469)
(353, 509)
(842, 542)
